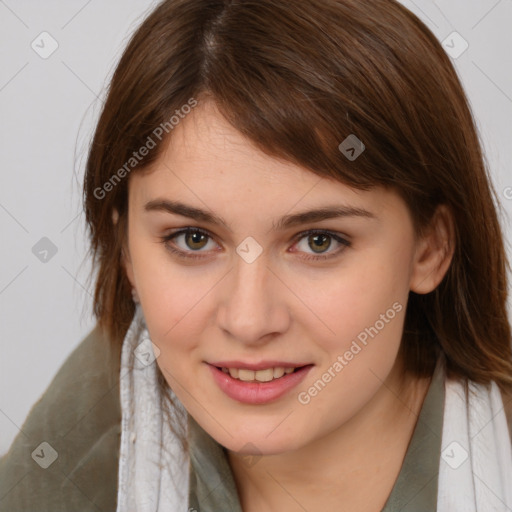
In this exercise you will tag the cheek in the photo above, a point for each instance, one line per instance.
(172, 307)
(353, 302)
(366, 313)
(176, 305)
(173, 311)
(366, 309)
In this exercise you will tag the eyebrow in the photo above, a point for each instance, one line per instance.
(287, 221)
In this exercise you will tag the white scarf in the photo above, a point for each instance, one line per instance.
(149, 479)
(475, 473)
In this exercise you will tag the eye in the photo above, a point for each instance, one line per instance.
(195, 239)
(320, 241)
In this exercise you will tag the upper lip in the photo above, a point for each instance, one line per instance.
(262, 365)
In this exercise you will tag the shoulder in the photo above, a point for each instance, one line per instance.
(74, 430)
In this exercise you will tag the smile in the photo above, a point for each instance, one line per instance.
(257, 386)
(259, 376)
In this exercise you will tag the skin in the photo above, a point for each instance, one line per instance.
(347, 445)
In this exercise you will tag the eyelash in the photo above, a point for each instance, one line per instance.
(185, 254)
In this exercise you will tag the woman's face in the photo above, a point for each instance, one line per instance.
(248, 287)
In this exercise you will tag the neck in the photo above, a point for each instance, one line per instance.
(357, 464)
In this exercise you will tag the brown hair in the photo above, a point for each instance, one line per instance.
(297, 78)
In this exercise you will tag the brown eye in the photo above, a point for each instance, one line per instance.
(187, 243)
(321, 242)
(195, 239)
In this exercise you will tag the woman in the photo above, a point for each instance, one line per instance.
(301, 281)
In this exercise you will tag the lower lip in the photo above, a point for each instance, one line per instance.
(258, 392)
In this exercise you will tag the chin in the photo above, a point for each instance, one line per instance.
(255, 440)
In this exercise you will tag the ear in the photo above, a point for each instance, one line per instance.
(125, 253)
(434, 252)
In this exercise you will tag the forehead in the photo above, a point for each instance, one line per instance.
(208, 163)
(210, 149)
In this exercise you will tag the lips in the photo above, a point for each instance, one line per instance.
(262, 365)
(254, 392)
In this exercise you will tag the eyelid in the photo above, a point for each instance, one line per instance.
(342, 239)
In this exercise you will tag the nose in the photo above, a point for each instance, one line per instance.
(253, 308)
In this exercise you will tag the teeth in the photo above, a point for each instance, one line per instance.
(279, 372)
(260, 376)
(264, 375)
(246, 375)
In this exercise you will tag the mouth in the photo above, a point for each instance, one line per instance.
(265, 375)
(260, 386)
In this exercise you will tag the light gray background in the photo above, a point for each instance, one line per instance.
(48, 111)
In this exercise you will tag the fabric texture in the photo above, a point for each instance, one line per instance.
(416, 487)
(476, 468)
(79, 416)
(212, 485)
(150, 478)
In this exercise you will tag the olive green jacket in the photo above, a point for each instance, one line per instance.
(79, 416)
